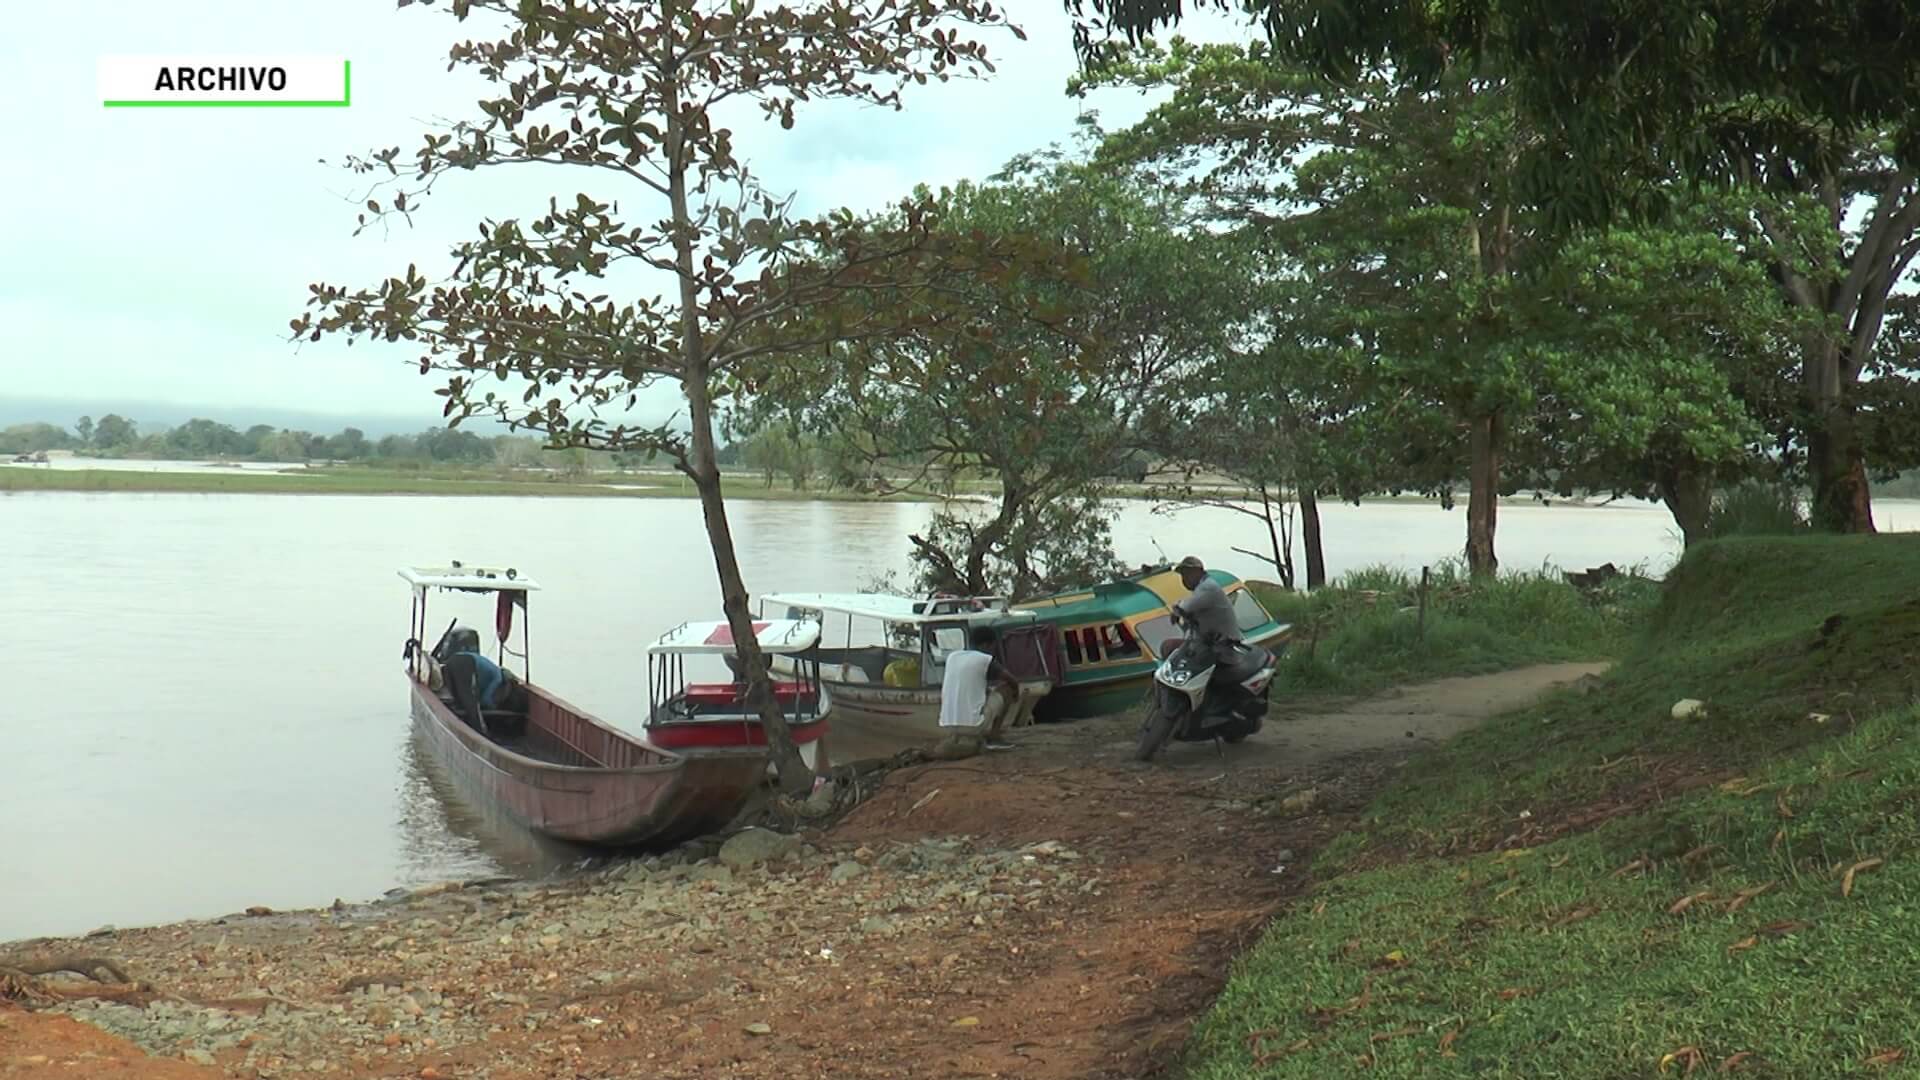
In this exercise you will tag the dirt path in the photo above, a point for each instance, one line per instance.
(1053, 911)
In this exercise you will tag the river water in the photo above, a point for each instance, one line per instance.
(203, 698)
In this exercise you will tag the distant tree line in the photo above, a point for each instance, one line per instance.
(199, 439)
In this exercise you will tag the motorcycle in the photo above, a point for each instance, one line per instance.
(1206, 688)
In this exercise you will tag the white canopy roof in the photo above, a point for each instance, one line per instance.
(900, 609)
(496, 579)
(774, 636)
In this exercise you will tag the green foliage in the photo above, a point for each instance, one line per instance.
(1625, 93)
(1040, 378)
(1364, 631)
(1757, 509)
(1405, 292)
(1518, 905)
(32, 438)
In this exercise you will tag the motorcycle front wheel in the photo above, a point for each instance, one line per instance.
(1153, 733)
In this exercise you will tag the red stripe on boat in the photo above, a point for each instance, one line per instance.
(724, 634)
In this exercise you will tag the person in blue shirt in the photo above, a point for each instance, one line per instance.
(488, 679)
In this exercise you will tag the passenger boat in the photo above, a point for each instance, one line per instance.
(1110, 637)
(882, 656)
(712, 719)
(552, 767)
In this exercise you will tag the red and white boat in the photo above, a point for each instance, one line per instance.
(713, 718)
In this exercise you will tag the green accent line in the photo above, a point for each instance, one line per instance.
(346, 99)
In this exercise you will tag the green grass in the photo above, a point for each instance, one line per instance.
(1364, 632)
(1514, 907)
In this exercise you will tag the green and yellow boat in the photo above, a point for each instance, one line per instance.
(1112, 635)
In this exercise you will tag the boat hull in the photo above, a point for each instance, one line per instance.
(909, 713)
(616, 792)
(1126, 690)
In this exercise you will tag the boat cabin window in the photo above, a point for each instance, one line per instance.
(1071, 639)
(1118, 642)
(1156, 631)
(1247, 610)
(1091, 644)
(942, 641)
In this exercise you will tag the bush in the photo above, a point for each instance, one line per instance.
(1365, 631)
(1755, 509)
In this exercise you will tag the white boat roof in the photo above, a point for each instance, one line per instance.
(899, 609)
(774, 636)
(494, 578)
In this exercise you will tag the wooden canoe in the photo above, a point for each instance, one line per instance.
(571, 777)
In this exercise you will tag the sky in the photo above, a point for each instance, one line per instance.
(158, 254)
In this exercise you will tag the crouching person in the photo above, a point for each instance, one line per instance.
(977, 695)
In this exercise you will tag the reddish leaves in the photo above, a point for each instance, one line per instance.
(1734, 1061)
(1680, 906)
(1861, 867)
(1690, 1055)
(1745, 896)
(1885, 1057)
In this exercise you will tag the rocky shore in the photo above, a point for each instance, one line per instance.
(1057, 912)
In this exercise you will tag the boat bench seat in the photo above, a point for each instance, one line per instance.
(786, 693)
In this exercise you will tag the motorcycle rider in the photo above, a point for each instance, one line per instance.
(1207, 610)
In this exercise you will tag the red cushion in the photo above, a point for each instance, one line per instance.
(734, 693)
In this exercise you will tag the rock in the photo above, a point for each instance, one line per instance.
(1285, 856)
(100, 931)
(259, 909)
(750, 846)
(198, 1056)
(847, 871)
(1689, 709)
(1300, 801)
(712, 872)
(387, 942)
(821, 800)
(876, 924)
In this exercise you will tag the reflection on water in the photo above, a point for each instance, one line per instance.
(445, 837)
(204, 692)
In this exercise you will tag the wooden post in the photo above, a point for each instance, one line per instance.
(1426, 577)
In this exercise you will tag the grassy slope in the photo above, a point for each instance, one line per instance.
(1518, 905)
(1359, 635)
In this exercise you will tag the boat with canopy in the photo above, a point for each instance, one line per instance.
(551, 766)
(883, 656)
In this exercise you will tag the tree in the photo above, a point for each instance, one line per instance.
(1816, 105)
(1039, 381)
(1628, 92)
(33, 437)
(635, 95)
(1651, 335)
(114, 432)
(350, 445)
(84, 429)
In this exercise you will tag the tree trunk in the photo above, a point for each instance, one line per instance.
(1842, 501)
(1688, 492)
(702, 468)
(1310, 539)
(990, 535)
(1282, 554)
(1483, 494)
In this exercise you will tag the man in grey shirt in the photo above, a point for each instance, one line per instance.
(1208, 610)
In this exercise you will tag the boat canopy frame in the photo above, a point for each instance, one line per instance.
(506, 582)
(666, 662)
